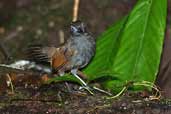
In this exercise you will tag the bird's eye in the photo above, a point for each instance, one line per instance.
(73, 29)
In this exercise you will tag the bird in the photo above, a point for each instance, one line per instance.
(72, 56)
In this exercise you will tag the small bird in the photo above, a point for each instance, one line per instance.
(75, 54)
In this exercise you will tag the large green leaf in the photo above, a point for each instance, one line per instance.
(107, 44)
(131, 49)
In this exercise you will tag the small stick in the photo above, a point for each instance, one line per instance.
(102, 91)
(75, 10)
(10, 82)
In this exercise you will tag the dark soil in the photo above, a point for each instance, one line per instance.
(55, 99)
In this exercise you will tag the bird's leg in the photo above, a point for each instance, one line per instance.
(85, 86)
(74, 72)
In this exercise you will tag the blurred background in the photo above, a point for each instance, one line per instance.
(24, 22)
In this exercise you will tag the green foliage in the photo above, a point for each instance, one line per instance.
(130, 50)
(65, 78)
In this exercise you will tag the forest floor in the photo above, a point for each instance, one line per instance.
(55, 99)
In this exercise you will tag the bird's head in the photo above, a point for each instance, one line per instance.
(77, 28)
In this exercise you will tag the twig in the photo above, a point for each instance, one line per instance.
(119, 94)
(9, 82)
(75, 10)
(102, 91)
(157, 96)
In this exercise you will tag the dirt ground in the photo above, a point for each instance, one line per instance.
(24, 22)
(55, 99)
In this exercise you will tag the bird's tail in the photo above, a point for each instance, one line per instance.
(37, 53)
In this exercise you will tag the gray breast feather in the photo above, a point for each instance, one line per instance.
(85, 47)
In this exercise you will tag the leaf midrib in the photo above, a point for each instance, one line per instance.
(138, 53)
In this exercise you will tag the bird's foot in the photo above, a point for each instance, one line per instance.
(102, 91)
(88, 89)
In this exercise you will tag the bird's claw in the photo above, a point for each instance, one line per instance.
(87, 88)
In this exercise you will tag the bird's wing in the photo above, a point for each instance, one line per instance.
(61, 58)
(57, 57)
